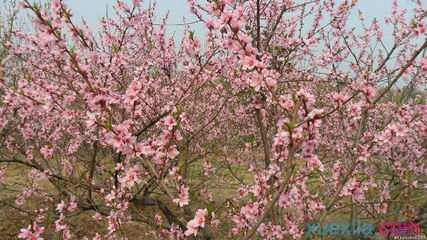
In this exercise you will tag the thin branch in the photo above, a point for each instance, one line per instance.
(284, 186)
(386, 58)
(402, 71)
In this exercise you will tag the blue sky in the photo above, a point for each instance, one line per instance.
(93, 10)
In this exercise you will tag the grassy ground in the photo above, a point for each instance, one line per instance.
(223, 186)
(12, 219)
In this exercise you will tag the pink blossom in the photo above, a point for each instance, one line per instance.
(122, 138)
(97, 216)
(249, 62)
(286, 102)
(424, 64)
(61, 206)
(47, 152)
(420, 30)
(72, 204)
(32, 232)
(183, 196)
(97, 237)
(194, 225)
(369, 91)
(170, 122)
(136, 2)
(131, 177)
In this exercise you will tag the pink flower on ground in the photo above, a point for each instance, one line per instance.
(2, 174)
(158, 219)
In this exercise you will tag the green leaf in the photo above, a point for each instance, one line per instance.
(191, 35)
(210, 208)
(115, 48)
(109, 126)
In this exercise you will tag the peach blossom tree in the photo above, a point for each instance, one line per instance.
(282, 114)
